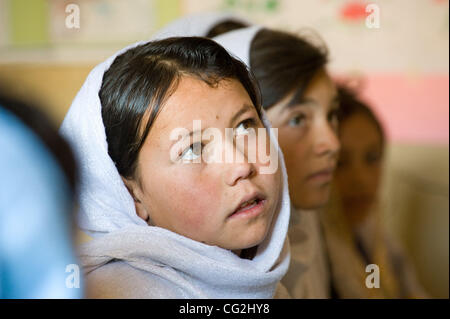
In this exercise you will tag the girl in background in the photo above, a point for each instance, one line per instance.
(352, 224)
(301, 101)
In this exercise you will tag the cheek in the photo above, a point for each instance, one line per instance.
(295, 159)
(375, 177)
(195, 203)
(198, 203)
(272, 184)
(343, 179)
(181, 198)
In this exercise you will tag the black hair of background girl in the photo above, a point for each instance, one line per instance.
(351, 104)
(138, 82)
(284, 63)
(225, 26)
(40, 124)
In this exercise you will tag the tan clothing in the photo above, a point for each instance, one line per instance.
(348, 264)
(308, 274)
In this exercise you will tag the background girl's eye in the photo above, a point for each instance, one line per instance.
(333, 118)
(297, 121)
(193, 152)
(373, 157)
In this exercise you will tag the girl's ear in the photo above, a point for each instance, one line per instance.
(136, 193)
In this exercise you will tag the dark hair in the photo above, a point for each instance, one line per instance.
(351, 104)
(139, 81)
(225, 26)
(282, 62)
(39, 124)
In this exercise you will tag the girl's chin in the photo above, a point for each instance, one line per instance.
(251, 242)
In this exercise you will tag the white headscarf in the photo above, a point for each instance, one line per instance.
(197, 25)
(238, 42)
(107, 208)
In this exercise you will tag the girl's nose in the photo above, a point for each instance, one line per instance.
(360, 177)
(239, 169)
(327, 142)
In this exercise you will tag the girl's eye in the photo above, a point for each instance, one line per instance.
(244, 127)
(193, 152)
(333, 117)
(373, 157)
(297, 121)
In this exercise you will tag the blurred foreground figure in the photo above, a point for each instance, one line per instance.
(365, 262)
(37, 187)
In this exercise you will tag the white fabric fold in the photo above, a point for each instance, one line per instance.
(238, 42)
(196, 24)
(195, 269)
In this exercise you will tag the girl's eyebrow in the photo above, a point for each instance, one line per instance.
(297, 105)
(335, 100)
(300, 102)
(191, 133)
(245, 107)
(307, 101)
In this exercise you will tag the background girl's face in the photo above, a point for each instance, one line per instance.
(307, 136)
(200, 200)
(360, 166)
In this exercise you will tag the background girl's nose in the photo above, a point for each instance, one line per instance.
(327, 141)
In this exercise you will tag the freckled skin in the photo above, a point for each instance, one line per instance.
(195, 199)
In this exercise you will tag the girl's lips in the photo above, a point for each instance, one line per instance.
(323, 176)
(250, 210)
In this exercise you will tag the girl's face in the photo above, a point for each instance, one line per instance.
(307, 136)
(201, 200)
(360, 165)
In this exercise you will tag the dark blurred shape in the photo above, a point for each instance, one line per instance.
(37, 195)
(41, 125)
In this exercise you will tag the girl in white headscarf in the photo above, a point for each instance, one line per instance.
(300, 100)
(167, 220)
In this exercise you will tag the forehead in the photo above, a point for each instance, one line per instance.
(320, 89)
(320, 92)
(194, 99)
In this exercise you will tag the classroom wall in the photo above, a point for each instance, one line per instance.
(51, 86)
(416, 208)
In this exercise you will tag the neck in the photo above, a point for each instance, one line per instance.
(237, 252)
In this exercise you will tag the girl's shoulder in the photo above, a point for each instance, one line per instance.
(119, 280)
